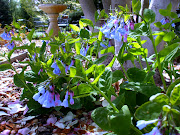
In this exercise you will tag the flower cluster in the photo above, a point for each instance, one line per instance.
(7, 36)
(142, 124)
(84, 50)
(57, 71)
(49, 98)
(166, 20)
(116, 29)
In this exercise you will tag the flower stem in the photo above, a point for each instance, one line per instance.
(158, 60)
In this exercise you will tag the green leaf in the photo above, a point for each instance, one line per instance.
(19, 80)
(109, 120)
(31, 76)
(54, 48)
(42, 50)
(164, 52)
(72, 71)
(61, 66)
(82, 90)
(169, 36)
(87, 22)
(167, 11)
(158, 24)
(84, 34)
(176, 20)
(108, 50)
(160, 98)
(91, 69)
(80, 71)
(144, 88)
(136, 5)
(174, 15)
(100, 36)
(117, 75)
(16, 25)
(100, 117)
(139, 51)
(149, 111)
(78, 47)
(111, 63)
(136, 75)
(29, 36)
(149, 15)
(105, 80)
(175, 96)
(158, 40)
(100, 60)
(5, 67)
(99, 71)
(74, 27)
(96, 16)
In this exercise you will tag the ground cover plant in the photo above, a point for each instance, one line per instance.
(72, 76)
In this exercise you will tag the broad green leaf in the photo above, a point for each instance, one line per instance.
(96, 16)
(29, 36)
(82, 90)
(136, 75)
(74, 27)
(5, 67)
(112, 62)
(91, 69)
(174, 15)
(164, 52)
(139, 51)
(61, 66)
(100, 36)
(144, 88)
(158, 40)
(87, 22)
(19, 81)
(175, 96)
(117, 75)
(149, 15)
(109, 120)
(31, 76)
(149, 111)
(84, 34)
(100, 117)
(72, 71)
(80, 71)
(42, 50)
(72, 40)
(54, 48)
(169, 36)
(136, 5)
(160, 98)
(166, 108)
(105, 80)
(108, 50)
(158, 24)
(98, 72)
(16, 25)
(78, 47)
(100, 60)
(176, 20)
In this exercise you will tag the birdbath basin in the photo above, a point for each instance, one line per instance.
(52, 11)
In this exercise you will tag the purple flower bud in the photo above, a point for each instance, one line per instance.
(131, 25)
(65, 101)
(125, 38)
(71, 98)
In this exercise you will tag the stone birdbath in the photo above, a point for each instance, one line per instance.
(53, 11)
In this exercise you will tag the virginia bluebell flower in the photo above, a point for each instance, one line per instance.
(142, 123)
(57, 100)
(10, 46)
(84, 50)
(56, 69)
(41, 70)
(65, 101)
(5, 36)
(34, 57)
(71, 98)
(47, 103)
(41, 92)
(155, 131)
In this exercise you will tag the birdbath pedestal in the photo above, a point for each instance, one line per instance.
(52, 11)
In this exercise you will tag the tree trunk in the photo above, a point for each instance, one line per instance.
(106, 5)
(89, 9)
